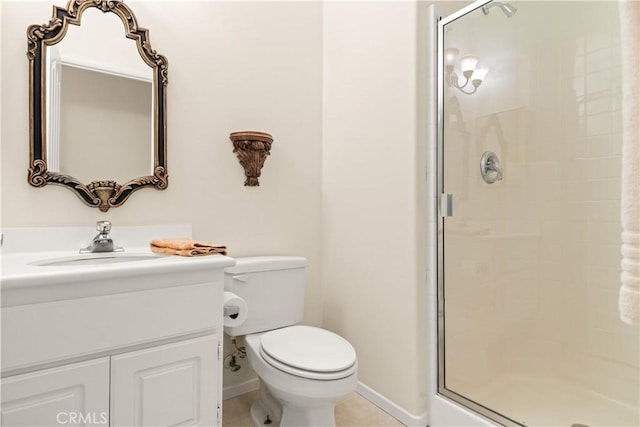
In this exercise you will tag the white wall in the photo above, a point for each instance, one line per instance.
(232, 66)
(371, 272)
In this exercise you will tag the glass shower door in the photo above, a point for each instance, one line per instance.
(529, 254)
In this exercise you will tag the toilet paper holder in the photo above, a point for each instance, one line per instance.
(234, 311)
(231, 311)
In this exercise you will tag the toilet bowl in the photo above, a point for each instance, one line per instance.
(303, 370)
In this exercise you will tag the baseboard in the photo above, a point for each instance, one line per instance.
(242, 388)
(391, 408)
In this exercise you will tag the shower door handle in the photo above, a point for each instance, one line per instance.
(446, 204)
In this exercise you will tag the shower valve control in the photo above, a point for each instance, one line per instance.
(490, 168)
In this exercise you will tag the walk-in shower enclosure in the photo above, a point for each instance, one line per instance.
(529, 151)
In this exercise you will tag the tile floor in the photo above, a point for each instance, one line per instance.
(354, 411)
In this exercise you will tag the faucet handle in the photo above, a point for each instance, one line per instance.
(104, 227)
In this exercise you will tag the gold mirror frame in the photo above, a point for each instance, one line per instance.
(98, 194)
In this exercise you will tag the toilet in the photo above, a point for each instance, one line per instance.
(303, 370)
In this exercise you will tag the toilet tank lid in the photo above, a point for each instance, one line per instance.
(265, 263)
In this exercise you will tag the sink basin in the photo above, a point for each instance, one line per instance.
(93, 259)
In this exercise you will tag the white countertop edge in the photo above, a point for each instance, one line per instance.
(18, 269)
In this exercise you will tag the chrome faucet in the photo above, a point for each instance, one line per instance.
(102, 242)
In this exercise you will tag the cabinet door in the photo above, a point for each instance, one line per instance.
(169, 385)
(75, 394)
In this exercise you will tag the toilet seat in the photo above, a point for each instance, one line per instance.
(308, 352)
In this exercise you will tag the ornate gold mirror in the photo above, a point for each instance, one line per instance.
(97, 103)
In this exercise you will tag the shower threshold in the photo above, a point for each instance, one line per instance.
(539, 401)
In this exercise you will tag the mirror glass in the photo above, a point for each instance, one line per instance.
(97, 104)
(105, 126)
(100, 103)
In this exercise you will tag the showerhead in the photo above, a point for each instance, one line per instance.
(508, 9)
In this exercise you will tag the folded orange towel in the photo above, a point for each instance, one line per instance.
(185, 246)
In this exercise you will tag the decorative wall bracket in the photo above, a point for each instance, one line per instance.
(252, 149)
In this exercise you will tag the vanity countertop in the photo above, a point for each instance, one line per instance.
(23, 281)
(21, 269)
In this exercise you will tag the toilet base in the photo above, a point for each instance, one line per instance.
(268, 411)
(260, 416)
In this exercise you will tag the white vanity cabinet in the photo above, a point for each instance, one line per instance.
(119, 345)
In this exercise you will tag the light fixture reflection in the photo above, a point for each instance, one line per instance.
(468, 64)
(469, 68)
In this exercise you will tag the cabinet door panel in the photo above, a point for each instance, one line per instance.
(76, 394)
(169, 385)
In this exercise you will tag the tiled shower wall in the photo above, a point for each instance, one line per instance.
(600, 351)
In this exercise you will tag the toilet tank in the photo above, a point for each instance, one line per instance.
(272, 287)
